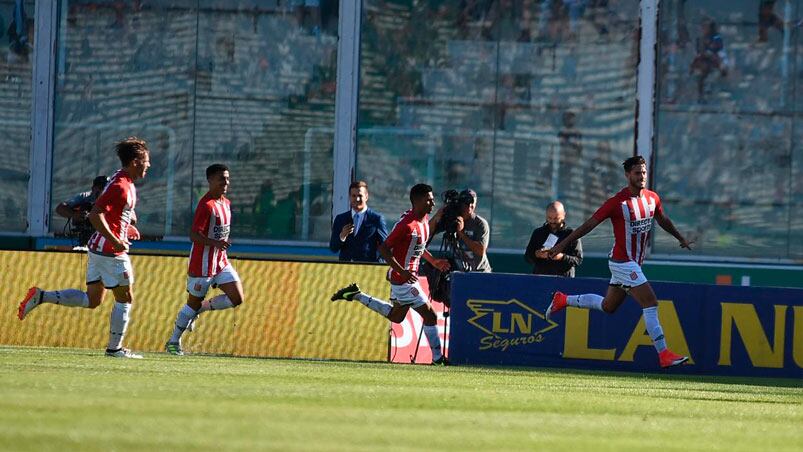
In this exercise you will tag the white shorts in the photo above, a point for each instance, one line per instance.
(112, 271)
(408, 295)
(199, 286)
(626, 274)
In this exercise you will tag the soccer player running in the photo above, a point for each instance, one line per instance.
(631, 212)
(108, 264)
(209, 265)
(403, 250)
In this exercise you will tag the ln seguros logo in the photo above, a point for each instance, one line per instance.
(508, 323)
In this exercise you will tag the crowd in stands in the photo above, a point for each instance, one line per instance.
(16, 55)
(726, 116)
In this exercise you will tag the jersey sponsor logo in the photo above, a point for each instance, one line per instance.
(418, 250)
(221, 231)
(641, 226)
(508, 323)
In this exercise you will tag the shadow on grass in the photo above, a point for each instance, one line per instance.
(668, 376)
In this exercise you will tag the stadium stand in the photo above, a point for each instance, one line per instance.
(270, 81)
(492, 110)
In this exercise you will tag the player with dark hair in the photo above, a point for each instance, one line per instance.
(108, 265)
(631, 211)
(208, 264)
(402, 250)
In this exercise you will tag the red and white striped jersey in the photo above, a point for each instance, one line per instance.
(213, 220)
(632, 220)
(116, 203)
(407, 241)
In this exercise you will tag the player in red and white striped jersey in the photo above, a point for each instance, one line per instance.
(209, 265)
(108, 264)
(403, 250)
(631, 212)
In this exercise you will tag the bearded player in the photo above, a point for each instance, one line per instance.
(631, 212)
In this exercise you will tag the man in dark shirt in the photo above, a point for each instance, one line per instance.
(545, 237)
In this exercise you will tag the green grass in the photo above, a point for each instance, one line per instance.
(67, 399)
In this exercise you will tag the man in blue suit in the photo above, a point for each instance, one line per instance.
(357, 233)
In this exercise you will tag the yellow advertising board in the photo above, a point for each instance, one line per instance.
(286, 313)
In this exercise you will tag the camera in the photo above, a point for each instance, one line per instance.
(453, 202)
(80, 231)
(451, 210)
(440, 282)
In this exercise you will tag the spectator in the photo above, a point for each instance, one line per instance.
(76, 210)
(357, 233)
(710, 55)
(545, 237)
(570, 142)
(575, 10)
(308, 15)
(767, 19)
(505, 22)
(20, 35)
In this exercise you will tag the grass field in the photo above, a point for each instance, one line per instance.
(67, 399)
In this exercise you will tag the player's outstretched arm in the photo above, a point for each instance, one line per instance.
(64, 210)
(667, 225)
(578, 233)
(441, 264)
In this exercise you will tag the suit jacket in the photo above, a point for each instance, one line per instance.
(363, 246)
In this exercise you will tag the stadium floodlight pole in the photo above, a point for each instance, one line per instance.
(645, 96)
(346, 96)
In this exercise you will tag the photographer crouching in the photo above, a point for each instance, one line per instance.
(465, 239)
(76, 210)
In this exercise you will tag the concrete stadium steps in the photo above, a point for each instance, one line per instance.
(603, 81)
(264, 132)
(15, 93)
(275, 152)
(15, 141)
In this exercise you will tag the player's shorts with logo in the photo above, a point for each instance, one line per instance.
(112, 271)
(626, 274)
(199, 286)
(408, 294)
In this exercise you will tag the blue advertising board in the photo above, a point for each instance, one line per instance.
(498, 319)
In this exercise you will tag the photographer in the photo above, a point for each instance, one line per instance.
(76, 210)
(466, 234)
